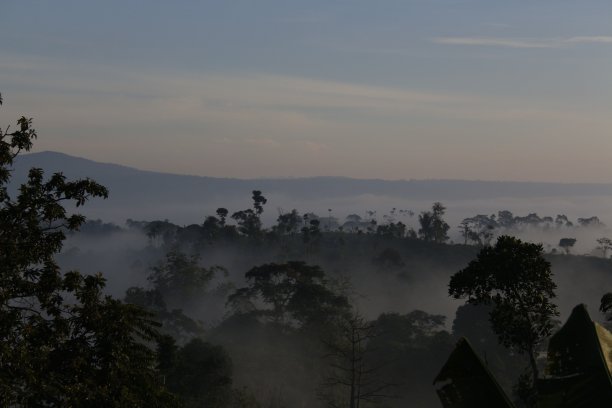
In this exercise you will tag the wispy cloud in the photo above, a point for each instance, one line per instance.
(267, 124)
(601, 39)
(494, 42)
(523, 42)
(271, 108)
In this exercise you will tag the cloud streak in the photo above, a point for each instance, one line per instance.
(268, 125)
(523, 42)
(602, 39)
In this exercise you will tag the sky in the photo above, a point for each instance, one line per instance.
(393, 89)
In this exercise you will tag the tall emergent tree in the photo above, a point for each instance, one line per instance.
(516, 281)
(249, 221)
(353, 377)
(293, 294)
(62, 341)
(433, 227)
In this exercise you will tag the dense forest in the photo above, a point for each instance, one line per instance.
(287, 286)
(311, 311)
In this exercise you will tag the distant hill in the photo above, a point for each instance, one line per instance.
(182, 198)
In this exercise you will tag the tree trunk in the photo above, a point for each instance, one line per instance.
(534, 403)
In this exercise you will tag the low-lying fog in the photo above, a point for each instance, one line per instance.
(126, 256)
(274, 367)
(573, 207)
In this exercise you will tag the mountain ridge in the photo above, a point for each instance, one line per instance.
(57, 155)
(142, 194)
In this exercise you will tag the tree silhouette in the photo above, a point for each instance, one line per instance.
(249, 222)
(63, 342)
(353, 377)
(516, 281)
(567, 244)
(288, 223)
(258, 202)
(199, 372)
(478, 229)
(605, 244)
(294, 293)
(433, 227)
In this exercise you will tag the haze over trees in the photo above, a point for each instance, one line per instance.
(314, 310)
(266, 304)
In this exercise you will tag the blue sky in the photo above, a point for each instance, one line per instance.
(470, 89)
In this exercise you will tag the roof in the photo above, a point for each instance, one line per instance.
(578, 371)
(465, 381)
(579, 364)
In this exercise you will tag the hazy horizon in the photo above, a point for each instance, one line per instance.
(280, 203)
(445, 89)
(186, 199)
(331, 176)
